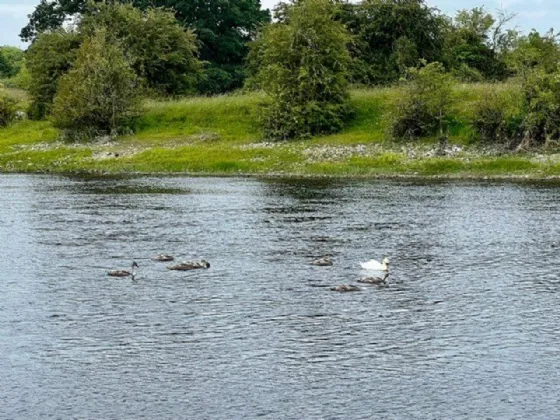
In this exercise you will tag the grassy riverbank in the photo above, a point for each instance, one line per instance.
(220, 136)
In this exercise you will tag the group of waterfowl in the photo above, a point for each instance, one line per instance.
(371, 265)
(182, 266)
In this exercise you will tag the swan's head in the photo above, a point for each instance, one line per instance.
(134, 265)
(205, 263)
(386, 261)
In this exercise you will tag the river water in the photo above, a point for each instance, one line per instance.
(468, 328)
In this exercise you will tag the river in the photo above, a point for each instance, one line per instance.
(469, 327)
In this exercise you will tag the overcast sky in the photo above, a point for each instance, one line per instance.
(538, 14)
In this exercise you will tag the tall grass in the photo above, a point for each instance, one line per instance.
(220, 135)
(227, 117)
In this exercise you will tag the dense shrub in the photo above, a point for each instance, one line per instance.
(535, 52)
(302, 65)
(99, 95)
(424, 105)
(47, 60)
(161, 51)
(216, 79)
(389, 36)
(498, 117)
(7, 108)
(11, 60)
(542, 102)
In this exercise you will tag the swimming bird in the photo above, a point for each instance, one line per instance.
(124, 273)
(163, 258)
(345, 288)
(376, 265)
(323, 262)
(374, 280)
(189, 265)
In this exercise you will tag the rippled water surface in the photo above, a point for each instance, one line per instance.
(469, 327)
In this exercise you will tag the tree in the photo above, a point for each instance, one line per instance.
(223, 28)
(50, 15)
(541, 91)
(11, 61)
(535, 52)
(99, 95)
(477, 41)
(424, 105)
(161, 51)
(48, 59)
(7, 108)
(392, 35)
(303, 67)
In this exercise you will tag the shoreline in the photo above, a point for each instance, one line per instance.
(386, 176)
(219, 136)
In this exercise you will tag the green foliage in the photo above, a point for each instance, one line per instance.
(7, 108)
(223, 28)
(390, 36)
(535, 52)
(478, 42)
(22, 79)
(50, 15)
(11, 61)
(217, 79)
(161, 51)
(99, 95)
(425, 104)
(542, 102)
(467, 74)
(47, 60)
(498, 117)
(303, 67)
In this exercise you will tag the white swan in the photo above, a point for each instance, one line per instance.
(376, 265)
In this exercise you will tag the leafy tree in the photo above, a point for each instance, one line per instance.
(51, 15)
(425, 103)
(303, 67)
(477, 42)
(22, 79)
(535, 52)
(498, 116)
(542, 102)
(99, 95)
(48, 59)
(392, 35)
(7, 108)
(161, 51)
(223, 28)
(11, 61)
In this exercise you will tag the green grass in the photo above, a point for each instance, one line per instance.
(220, 135)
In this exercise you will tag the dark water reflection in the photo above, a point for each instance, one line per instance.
(469, 327)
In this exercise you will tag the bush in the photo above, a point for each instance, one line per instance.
(303, 67)
(47, 60)
(161, 51)
(542, 102)
(11, 60)
(467, 74)
(424, 106)
(21, 80)
(100, 94)
(498, 117)
(218, 79)
(7, 109)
